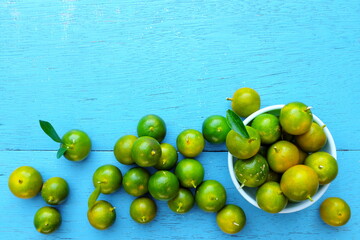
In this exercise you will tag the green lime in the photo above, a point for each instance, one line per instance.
(101, 215)
(231, 219)
(243, 148)
(163, 185)
(183, 202)
(168, 157)
(324, 165)
(135, 181)
(282, 155)
(146, 151)
(210, 196)
(299, 183)
(251, 172)
(335, 211)
(122, 149)
(109, 177)
(270, 198)
(215, 129)
(55, 190)
(143, 210)
(190, 172)
(190, 143)
(153, 126)
(313, 140)
(245, 101)
(296, 118)
(77, 144)
(47, 220)
(25, 182)
(268, 127)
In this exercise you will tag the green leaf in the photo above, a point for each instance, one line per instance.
(94, 196)
(236, 123)
(60, 152)
(50, 131)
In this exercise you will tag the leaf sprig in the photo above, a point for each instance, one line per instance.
(50, 131)
(236, 124)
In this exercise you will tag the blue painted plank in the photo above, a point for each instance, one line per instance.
(17, 214)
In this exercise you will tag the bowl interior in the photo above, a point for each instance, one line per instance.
(250, 193)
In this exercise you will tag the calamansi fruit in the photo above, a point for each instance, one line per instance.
(324, 165)
(47, 220)
(109, 177)
(77, 144)
(169, 157)
(153, 126)
(268, 126)
(242, 147)
(299, 183)
(245, 101)
(251, 172)
(25, 182)
(210, 196)
(163, 185)
(143, 210)
(215, 129)
(183, 202)
(135, 181)
(190, 143)
(190, 172)
(282, 155)
(270, 198)
(146, 151)
(313, 140)
(296, 118)
(55, 191)
(335, 211)
(231, 219)
(101, 215)
(122, 149)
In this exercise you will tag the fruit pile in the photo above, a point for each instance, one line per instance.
(279, 154)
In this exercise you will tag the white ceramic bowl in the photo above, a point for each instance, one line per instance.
(250, 193)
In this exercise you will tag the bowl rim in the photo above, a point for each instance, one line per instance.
(304, 204)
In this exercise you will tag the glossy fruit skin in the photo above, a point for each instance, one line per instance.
(268, 126)
(169, 157)
(183, 202)
(245, 101)
(135, 181)
(109, 177)
(313, 140)
(251, 172)
(122, 149)
(243, 148)
(295, 118)
(153, 126)
(78, 145)
(215, 129)
(299, 183)
(231, 219)
(335, 211)
(55, 191)
(282, 155)
(143, 210)
(47, 220)
(101, 215)
(146, 151)
(190, 173)
(210, 196)
(163, 185)
(324, 165)
(270, 198)
(25, 182)
(190, 143)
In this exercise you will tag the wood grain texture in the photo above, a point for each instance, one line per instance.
(101, 65)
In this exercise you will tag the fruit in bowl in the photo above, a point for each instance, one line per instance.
(285, 157)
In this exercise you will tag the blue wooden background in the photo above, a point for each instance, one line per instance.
(101, 65)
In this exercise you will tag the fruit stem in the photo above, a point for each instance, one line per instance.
(308, 108)
(243, 184)
(193, 183)
(143, 219)
(179, 207)
(153, 152)
(323, 126)
(236, 224)
(229, 99)
(309, 197)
